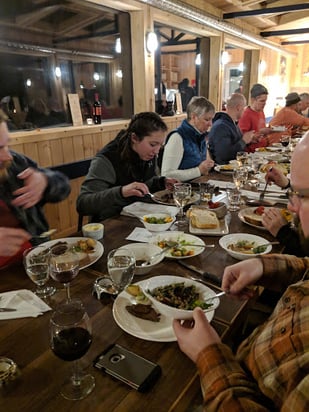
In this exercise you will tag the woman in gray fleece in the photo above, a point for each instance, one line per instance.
(124, 171)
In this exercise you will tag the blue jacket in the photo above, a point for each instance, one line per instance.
(224, 139)
(194, 144)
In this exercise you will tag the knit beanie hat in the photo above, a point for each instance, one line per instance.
(292, 98)
(257, 90)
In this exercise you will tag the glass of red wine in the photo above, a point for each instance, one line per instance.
(70, 339)
(285, 140)
(64, 265)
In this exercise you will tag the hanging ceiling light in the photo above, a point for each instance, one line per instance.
(58, 72)
(198, 59)
(118, 45)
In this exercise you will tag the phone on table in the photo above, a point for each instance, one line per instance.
(134, 370)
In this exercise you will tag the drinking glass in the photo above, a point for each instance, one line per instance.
(233, 197)
(120, 266)
(242, 158)
(64, 266)
(285, 141)
(181, 195)
(206, 193)
(70, 339)
(36, 264)
(240, 176)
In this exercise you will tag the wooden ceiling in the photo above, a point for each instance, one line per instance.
(69, 24)
(286, 20)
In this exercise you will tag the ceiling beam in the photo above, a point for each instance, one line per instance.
(284, 32)
(262, 11)
(294, 42)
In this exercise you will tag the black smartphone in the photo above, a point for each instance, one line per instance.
(134, 370)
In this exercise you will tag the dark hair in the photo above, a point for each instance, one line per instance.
(141, 124)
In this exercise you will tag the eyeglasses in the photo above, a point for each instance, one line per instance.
(295, 196)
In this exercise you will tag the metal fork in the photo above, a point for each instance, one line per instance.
(263, 192)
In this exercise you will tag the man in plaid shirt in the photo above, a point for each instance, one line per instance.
(270, 371)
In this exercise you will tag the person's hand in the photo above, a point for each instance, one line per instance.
(265, 130)
(11, 240)
(273, 220)
(248, 136)
(135, 189)
(237, 278)
(195, 335)
(277, 176)
(169, 182)
(35, 183)
(205, 166)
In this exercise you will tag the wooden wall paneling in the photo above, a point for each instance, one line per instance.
(31, 150)
(67, 147)
(45, 153)
(78, 147)
(88, 146)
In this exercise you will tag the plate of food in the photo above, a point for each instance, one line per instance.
(252, 216)
(165, 197)
(89, 250)
(203, 221)
(144, 321)
(243, 246)
(228, 168)
(186, 245)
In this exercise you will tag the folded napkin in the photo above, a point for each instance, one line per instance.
(139, 209)
(270, 197)
(26, 303)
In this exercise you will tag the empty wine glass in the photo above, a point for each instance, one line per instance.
(242, 158)
(70, 339)
(64, 265)
(36, 263)
(120, 266)
(181, 195)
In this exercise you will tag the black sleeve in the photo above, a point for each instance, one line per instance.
(289, 238)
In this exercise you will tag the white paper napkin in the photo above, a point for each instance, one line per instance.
(139, 209)
(26, 303)
(273, 199)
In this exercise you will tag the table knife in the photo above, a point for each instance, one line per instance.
(7, 310)
(206, 275)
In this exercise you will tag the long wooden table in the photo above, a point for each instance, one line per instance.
(26, 340)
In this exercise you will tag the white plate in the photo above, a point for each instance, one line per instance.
(221, 169)
(249, 210)
(92, 257)
(178, 237)
(145, 329)
(223, 229)
(165, 197)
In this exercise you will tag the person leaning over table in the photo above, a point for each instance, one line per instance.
(124, 171)
(292, 238)
(24, 189)
(225, 138)
(185, 151)
(288, 116)
(270, 371)
(253, 118)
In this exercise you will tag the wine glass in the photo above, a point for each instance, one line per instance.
(70, 339)
(36, 264)
(181, 195)
(64, 265)
(120, 266)
(285, 141)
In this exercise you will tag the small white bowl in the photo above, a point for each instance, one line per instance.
(227, 240)
(144, 252)
(93, 230)
(174, 313)
(158, 227)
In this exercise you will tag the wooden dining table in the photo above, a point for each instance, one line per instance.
(26, 340)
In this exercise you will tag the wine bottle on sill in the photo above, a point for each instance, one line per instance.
(96, 110)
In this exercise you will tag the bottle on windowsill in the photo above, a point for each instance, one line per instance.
(96, 110)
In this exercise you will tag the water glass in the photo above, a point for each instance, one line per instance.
(242, 158)
(206, 192)
(121, 266)
(36, 264)
(233, 197)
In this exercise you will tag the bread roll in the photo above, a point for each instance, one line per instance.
(203, 219)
